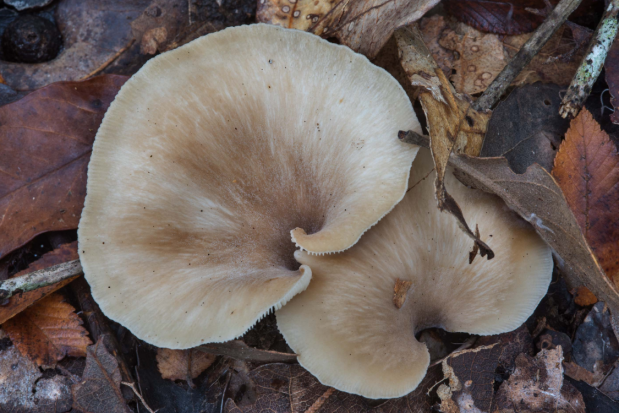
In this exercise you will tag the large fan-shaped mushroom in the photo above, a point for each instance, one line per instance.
(352, 330)
(208, 158)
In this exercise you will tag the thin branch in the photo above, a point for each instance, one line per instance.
(496, 89)
(132, 386)
(40, 278)
(592, 63)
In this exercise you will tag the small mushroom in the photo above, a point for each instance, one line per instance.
(207, 159)
(355, 325)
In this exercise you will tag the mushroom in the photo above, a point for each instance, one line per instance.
(355, 325)
(212, 154)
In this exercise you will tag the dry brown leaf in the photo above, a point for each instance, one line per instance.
(18, 303)
(536, 197)
(99, 391)
(183, 364)
(400, 289)
(584, 297)
(537, 385)
(558, 60)
(152, 39)
(48, 331)
(46, 140)
(432, 29)
(481, 57)
(453, 124)
(363, 25)
(587, 170)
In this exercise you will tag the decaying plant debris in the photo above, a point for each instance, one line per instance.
(489, 116)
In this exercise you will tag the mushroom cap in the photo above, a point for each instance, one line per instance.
(346, 327)
(207, 159)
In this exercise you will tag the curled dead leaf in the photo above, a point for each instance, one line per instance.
(453, 124)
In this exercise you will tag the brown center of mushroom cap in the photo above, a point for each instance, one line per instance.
(208, 158)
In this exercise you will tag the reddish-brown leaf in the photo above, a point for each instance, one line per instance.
(183, 364)
(48, 331)
(19, 302)
(497, 16)
(46, 140)
(587, 170)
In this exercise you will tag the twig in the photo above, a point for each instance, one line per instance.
(40, 278)
(496, 89)
(132, 386)
(592, 63)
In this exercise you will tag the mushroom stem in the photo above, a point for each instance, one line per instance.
(40, 278)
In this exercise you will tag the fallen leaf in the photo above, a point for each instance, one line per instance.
(611, 66)
(400, 289)
(18, 303)
(94, 34)
(587, 170)
(183, 364)
(237, 349)
(152, 39)
(584, 297)
(363, 25)
(610, 387)
(24, 390)
(526, 127)
(46, 140)
(99, 391)
(559, 59)
(537, 385)
(480, 58)
(432, 29)
(470, 375)
(290, 388)
(48, 331)
(595, 346)
(453, 124)
(497, 16)
(538, 199)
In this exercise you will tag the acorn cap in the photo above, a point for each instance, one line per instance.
(354, 327)
(212, 154)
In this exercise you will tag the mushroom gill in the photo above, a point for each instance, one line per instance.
(354, 334)
(207, 159)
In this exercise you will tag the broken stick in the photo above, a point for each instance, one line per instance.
(541, 35)
(40, 278)
(592, 63)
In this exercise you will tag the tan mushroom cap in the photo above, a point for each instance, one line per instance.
(346, 327)
(208, 158)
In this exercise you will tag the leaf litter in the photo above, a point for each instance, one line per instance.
(492, 375)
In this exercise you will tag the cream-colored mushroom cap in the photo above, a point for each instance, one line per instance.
(346, 326)
(212, 154)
